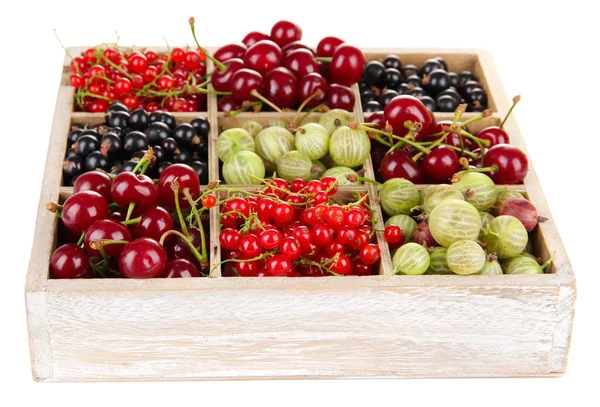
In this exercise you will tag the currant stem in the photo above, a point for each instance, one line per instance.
(218, 64)
(186, 193)
(516, 100)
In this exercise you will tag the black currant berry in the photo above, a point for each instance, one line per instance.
(429, 103)
(451, 92)
(202, 126)
(182, 156)
(170, 146)
(367, 96)
(200, 146)
(129, 165)
(409, 70)
(404, 89)
(413, 81)
(135, 141)
(117, 119)
(159, 153)
(430, 65)
(183, 134)
(363, 86)
(71, 153)
(437, 81)
(117, 107)
(373, 74)
(386, 96)
(157, 132)
(372, 107)
(112, 144)
(393, 78)
(466, 76)
(454, 79)
(97, 160)
(442, 61)
(73, 136)
(86, 144)
(447, 103)
(417, 92)
(201, 168)
(469, 86)
(91, 132)
(392, 61)
(72, 166)
(477, 98)
(139, 119)
(167, 118)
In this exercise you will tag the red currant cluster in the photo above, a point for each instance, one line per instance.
(121, 226)
(283, 72)
(297, 229)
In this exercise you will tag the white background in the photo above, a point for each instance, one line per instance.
(548, 54)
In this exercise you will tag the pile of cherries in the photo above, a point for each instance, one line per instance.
(108, 73)
(118, 144)
(297, 229)
(440, 90)
(287, 72)
(122, 226)
(406, 142)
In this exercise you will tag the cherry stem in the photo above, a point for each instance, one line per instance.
(218, 64)
(516, 100)
(314, 109)
(133, 221)
(129, 210)
(257, 95)
(316, 93)
(485, 169)
(187, 240)
(365, 179)
(186, 193)
(397, 145)
(260, 257)
(175, 187)
(481, 116)
(324, 59)
(469, 153)
(80, 241)
(111, 176)
(145, 159)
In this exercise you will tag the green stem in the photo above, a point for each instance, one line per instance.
(260, 257)
(314, 109)
(178, 209)
(218, 64)
(516, 100)
(197, 255)
(402, 139)
(129, 210)
(133, 221)
(372, 181)
(186, 193)
(80, 241)
(324, 59)
(260, 97)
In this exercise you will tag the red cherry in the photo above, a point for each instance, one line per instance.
(308, 85)
(495, 135)
(227, 103)
(340, 97)
(422, 235)
(292, 46)
(106, 229)
(186, 177)
(512, 164)
(142, 258)
(377, 118)
(221, 80)
(155, 222)
(70, 261)
(253, 37)
(285, 32)
(245, 81)
(441, 164)
(327, 46)
(406, 107)
(263, 56)
(180, 268)
(94, 181)
(176, 248)
(281, 87)
(230, 51)
(301, 62)
(347, 64)
(82, 209)
(279, 265)
(128, 187)
(398, 164)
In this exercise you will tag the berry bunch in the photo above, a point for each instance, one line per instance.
(297, 229)
(120, 142)
(439, 89)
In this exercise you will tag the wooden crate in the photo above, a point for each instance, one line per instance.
(240, 328)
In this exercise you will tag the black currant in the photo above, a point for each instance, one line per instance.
(372, 107)
(477, 98)
(71, 153)
(97, 160)
(182, 156)
(367, 96)
(393, 78)
(157, 132)
(442, 61)
(86, 144)
(117, 119)
(429, 103)
(139, 119)
(201, 168)
(117, 107)
(158, 153)
(183, 134)
(202, 126)
(169, 146)
(135, 141)
(466, 76)
(91, 132)
(200, 146)
(409, 70)
(413, 81)
(430, 65)
(437, 81)
(112, 143)
(454, 79)
(392, 61)
(73, 136)
(404, 89)
(167, 118)
(373, 74)
(469, 86)
(129, 165)
(417, 92)
(72, 166)
(386, 96)
(447, 103)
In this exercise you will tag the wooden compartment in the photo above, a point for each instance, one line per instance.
(240, 328)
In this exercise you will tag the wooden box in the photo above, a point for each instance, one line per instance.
(240, 328)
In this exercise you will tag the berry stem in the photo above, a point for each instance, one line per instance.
(80, 241)
(314, 109)
(397, 145)
(187, 239)
(260, 97)
(324, 59)
(516, 100)
(317, 93)
(186, 193)
(175, 188)
(218, 64)
(130, 210)
(133, 221)
(259, 257)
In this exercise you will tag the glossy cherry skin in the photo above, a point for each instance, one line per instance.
(106, 229)
(285, 32)
(226, 103)
(377, 118)
(128, 187)
(221, 80)
(495, 135)
(347, 65)
(230, 51)
(245, 81)
(512, 164)
(186, 177)
(178, 249)
(180, 268)
(301, 62)
(281, 87)
(70, 261)
(398, 164)
(327, 46)
(308, 85)
(263, 56)
(94, 181)
(142, 258)
(340, 97)
(82, 209)
(253, 37)
(294, 46)
(155, 222)
(406, 107)
(441, 164)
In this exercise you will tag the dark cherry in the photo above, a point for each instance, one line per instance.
(281, 87)
(70, 261)
(377, 118)
(245, 81)
(221, 80)
(177, 248)
(512, 164)
(392, 61)
(94, 181)
(392, 78)
(441, 164)
(301, 62)
(227, 103)
(327, 46)
(495, 135)
(446, 103)
(371, 107)
(230, 51)
(437, 81)
(253, 37)
(263, 56)
(142, 258)
(154, 223)
(128, 187)
(340, 97)
(97, 160)
(117, 119)
(106, 229)
(405, 107)
(308, 85)
(430, 65)
(82, 209)
(112, 144)
(409, 70)
(285, 32)
(398, 164)
(202, 125)
(201, 168)
(186, 177)
(85, 144)
(139, 119)
(294, 46)
(347, 65)
(135, 141)
(184, 134)
(374, 74)
(324, 70)
(180, 268)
